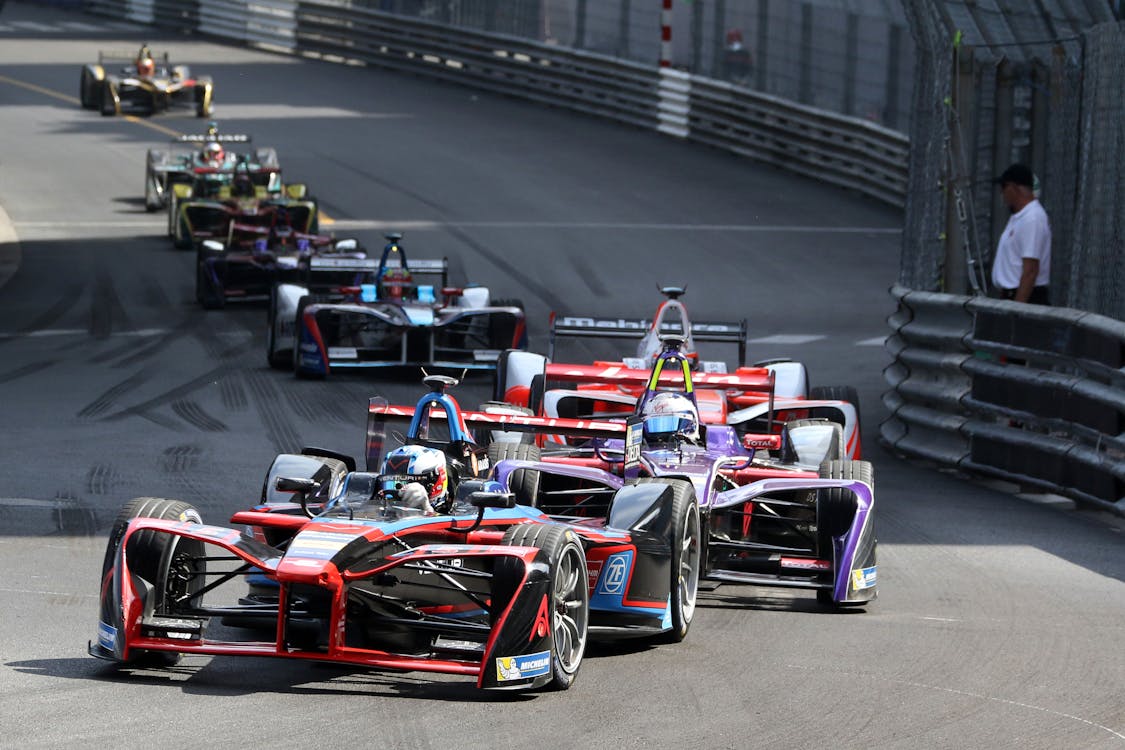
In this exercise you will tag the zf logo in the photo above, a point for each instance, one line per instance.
(614, 580)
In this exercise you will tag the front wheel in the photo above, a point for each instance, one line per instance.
(686, 542)
(172, 565)
(569, 603)
(278, 358)
(208, 291)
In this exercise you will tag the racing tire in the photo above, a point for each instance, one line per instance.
(110, 105)
(182, 238)
(86, 90)
(206, 293)
(835, 452)
(153, 199)
(300, 372)
(278, 359)
(501, 331)
(835, 510)
(687, 556)
(153, 556)
(570, 594)
(203, 96)
(524, 483)
(836, 393)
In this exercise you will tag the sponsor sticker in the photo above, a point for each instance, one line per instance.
(863, 578)
(342, 352)
(522, 667)
(614, 574)
(107, 635)
(634, 437)
(486, 355)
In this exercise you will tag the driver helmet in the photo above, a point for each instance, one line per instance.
(417, 464)
(146, 67)
(668, 413)
(213, 153)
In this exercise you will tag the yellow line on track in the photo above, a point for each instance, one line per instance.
(40, 90)
(323, 217)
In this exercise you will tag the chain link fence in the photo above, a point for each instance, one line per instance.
(1039, 83)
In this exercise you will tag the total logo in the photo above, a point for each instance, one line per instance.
(614, 574)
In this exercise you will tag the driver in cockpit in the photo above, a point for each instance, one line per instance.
(416, 477)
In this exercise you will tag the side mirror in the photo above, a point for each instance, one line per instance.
(290, 484)
(303, 488)
(213, 245)
(492, 500)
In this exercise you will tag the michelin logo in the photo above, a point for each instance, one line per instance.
(523, 667)
(107, 635)
(863, 578)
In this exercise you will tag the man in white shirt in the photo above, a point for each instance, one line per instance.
(1021, 270)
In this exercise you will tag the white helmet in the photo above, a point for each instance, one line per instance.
(412, 464)
(668, 413)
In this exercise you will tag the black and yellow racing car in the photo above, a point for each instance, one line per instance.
(142, 84)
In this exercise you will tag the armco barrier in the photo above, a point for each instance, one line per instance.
(844, 151)
(1029, 393)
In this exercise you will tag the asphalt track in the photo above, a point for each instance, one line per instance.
(1001, 618)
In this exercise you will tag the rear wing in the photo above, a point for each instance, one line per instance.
(575, 326)
(205, 138)
(757, 379)
(385, 419)
(122, 57)
(371, 265)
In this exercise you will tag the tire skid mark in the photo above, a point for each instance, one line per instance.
(100, 479)
(153, 294)
(142, 409)
(233, 394)
(106, 307)
(28, 369)
(107, 399)
(71, 297)
(132, 354)
(180, 459)
(524, 281)
(191, 412)
(304, 404)
(279, 429)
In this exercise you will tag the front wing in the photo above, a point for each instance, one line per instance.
(385, 335)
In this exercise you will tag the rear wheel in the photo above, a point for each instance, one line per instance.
(569, 603)
(502, 328)
(171, 565)
(686, 544)
(524, 483)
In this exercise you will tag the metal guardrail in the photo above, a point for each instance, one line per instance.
(841, 150)
(1028, 393)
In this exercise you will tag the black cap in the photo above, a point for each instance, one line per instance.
(1017, 174)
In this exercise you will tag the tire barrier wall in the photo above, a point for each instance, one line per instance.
(845, 151)
(1027, 393)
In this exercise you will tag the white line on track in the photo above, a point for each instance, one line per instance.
(81, 332)
(47, 593)
(422, 224)
(873, 341)
(788, 338)
(964, 693)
